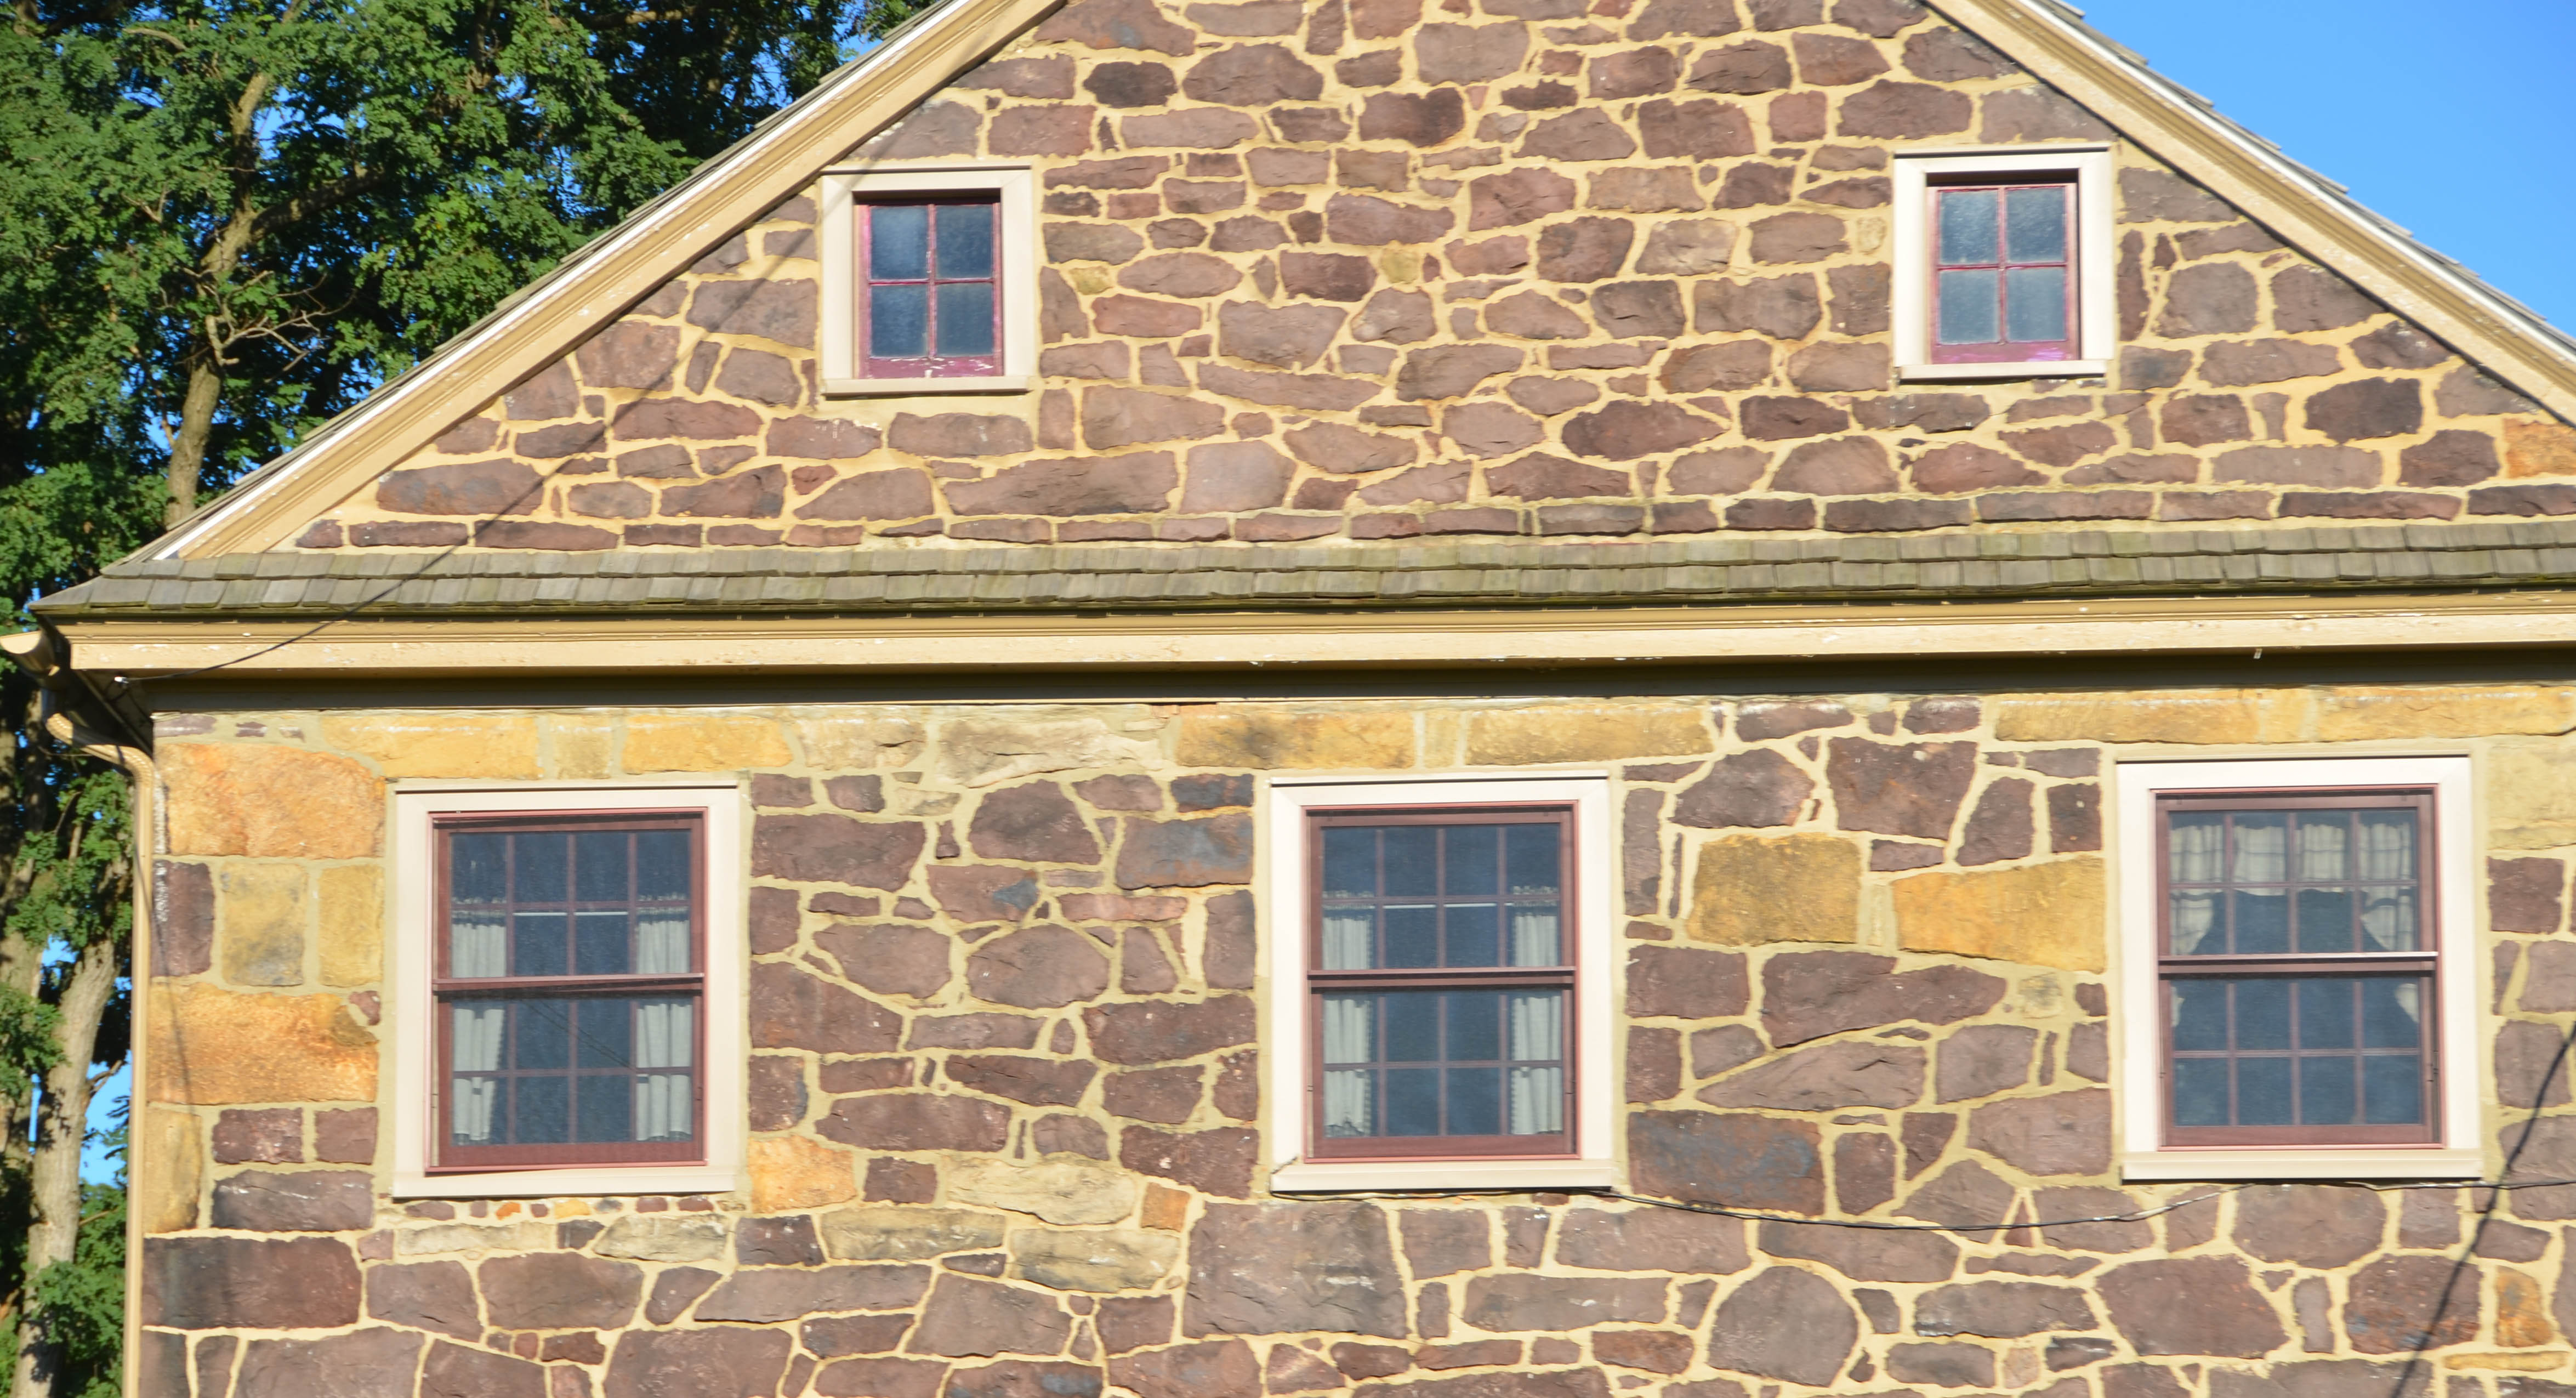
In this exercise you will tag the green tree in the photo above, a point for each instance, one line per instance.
(226, 221)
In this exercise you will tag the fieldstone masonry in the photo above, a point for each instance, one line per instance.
(1004, 1079)
(1381, 270)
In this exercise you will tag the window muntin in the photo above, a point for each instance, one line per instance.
(2003, 272)
(569, 989)
(929, 289)
(2298, 976)
(1440, 978)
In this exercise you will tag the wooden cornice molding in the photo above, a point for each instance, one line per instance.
(2317, 218)
(598, 283)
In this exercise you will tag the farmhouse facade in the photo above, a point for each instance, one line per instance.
(1406, 698)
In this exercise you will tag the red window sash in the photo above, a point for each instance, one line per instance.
(2001, 351)
(934, 365)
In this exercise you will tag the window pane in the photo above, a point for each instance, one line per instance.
(898, 242)
(2388, 919)
(1350, 1102)
(965, 318)
(2328, 1093)
(1444, 1063)
(2035, 302)
(2262, 918)
(2325, 1014)
(1968, 312)
(540, 1034)
(2262, 1014)
(1413, 935)
(2392, 1013)
(898, 322)
(1350, 862)
(2392, 1087)
(2199, 1015)
(1413, 1101)
(1475, 1102)
(543, 861)
(1410, 1022)
(599, 866)
(607, 1109)
(540, 945)
(2195, 927)
(966, 240)
(1968, 219)
(600, 944)
(2200, 1092)
(1350, 940)
(1412, 861)
(2325, 919)
(1475, 935)
(540, 1110)
(2262, 847)
(533, 1072)
(1474, 864)
(2263, 1092)
(1536, 938)
(662, 872)
(2196, 846)
(2035, 224)
(478, 944)
(477, 870)
(604, 1035)
(1532, 853)
(1475, 1025)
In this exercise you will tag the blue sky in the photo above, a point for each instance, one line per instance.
(2456, 121)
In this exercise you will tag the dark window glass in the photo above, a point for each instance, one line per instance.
(930, 304)
(2003, 273)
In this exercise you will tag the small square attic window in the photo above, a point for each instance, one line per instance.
(2003, 264)
(929, 282)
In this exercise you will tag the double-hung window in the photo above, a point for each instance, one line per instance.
(2298, 964)
(567, 989)
(1440, 986)
(2003, 264)
(929, 281)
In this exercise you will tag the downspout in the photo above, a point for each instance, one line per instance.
(68, 699)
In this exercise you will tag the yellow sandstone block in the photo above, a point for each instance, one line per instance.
(2522, 1313)
(1750, 889)
(2526, 1362)
(353, 925)
(580, 747)
(1530, 737)
(259, 923)
(267, 801)
(440, 744)
(169, 1170)
(796, 1172)
(703, 743)
(213, 1046)
(2539, 449)
(2361, 711)
(2038, 914)
(1272, 739)
(2183, 716)
(2531, 795)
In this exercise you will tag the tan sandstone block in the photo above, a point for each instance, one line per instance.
(703, 743)
(1093, 1259)
(2359, 711)
(2038, 915)
(986, 751)
(168, 1170)
(2522, 1312)
(2185, 716)
(440, 744)
(1750, 889)
(1269, 739)
(580, 747)
(2531, 795)
(256, 799)
(353, 925)
(1529, 737)
(859, 744)
(797, 1172)
(2527, 1362)
(210, 1045)
(2539, 449)
(1059, 1191)
(259, 923)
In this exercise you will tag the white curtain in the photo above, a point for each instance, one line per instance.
(1534, 937)
(1348, 936)
(477, 944)
(662, 944)
(1534, 1027)
(665, 1033)
(476, 1032)
(2262, 849)
(2197, 846)
(1350, 1036)
(2387, 856)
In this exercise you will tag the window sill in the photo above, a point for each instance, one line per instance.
(547, 1184)
(2034, 369)
(881, 388)
(2317, 1163)
(1335, 1176)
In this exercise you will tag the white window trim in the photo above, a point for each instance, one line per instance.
(412, 1009)
(2459, 1154)
(2096, 287)
(1283, 931)
(1018, 286)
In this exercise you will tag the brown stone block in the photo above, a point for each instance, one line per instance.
(1984, 1059)
(1748, 1161)
(2046, 914)
(716, 1363)
(223, 1283)
(1748, 890)
(183, 918)
(1163, 1031)
(1784, 1324)
(1827, 1078)
(1910, 789)
(297, 1201)
(2168, 716)
(2401, 1305)
(2064, 1133)
(435, 1296)
(1685, 984)
(213, 1046)
(371, 1361)
(2526, 895)
(1250, 1271)
(269, 801)
(1522, 1302)
(1811, 994)
(2004, 1310)
(1440, 1242)
(917, 1121)
(2192, 1306)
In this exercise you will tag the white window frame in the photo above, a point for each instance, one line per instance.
(2097, 325)
(1016, 188)
(412, 1006)
(1285, 906)
(2459, 1153)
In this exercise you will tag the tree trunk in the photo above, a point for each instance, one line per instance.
(62, 1118)
(188, 444)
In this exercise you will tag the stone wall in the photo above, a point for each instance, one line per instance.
(1004, 1077)
(1365, 271)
